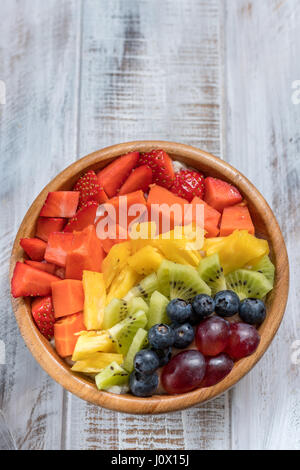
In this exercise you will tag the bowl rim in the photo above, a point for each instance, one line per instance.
(57, 368)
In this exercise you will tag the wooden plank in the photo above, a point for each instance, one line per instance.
(39, 51)
(262, 45)
(150, 70)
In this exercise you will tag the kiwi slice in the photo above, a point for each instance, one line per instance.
(114, 312)
(137, 303)
(180, 281)
(144, 288)
(123, 333)
(265, 267)
(246, 283)
(112, 375)
(139, 342)
(211, 271)
(157, 310)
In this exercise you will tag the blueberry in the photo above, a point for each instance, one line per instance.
(227, 303)
(161, 336)
(143, 385)
(179, 311)
(146, 361)
(164, 355)
(184, 335)
(203, 306)
(252, 311)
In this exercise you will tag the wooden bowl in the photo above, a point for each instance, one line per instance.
(266, 227)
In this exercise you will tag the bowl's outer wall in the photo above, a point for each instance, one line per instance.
(266, 227)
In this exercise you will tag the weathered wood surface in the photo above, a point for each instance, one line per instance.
(217, 74)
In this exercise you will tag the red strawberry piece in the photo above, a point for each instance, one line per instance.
(84, 216)
(43, 315)
(28, 281)
(47, 225)
(188, 184)
(60, 204)
(90, 189)
(34, 248)
(161, 165)
(42, 266)
(113, 176)
(59, 245)
(140, 178)
(220, 194)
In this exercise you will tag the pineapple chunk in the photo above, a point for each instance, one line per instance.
(237, 249)
(141, 235)
(97, 362)
(92, 342)
(178, 250)
(146, 260)
(115, 261)
(94, 299)
(127, 278)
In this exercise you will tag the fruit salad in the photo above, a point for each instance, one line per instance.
(147, 276)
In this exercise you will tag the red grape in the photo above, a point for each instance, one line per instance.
(212, 336)
(243, 340)
(216, 369)
(184, 372)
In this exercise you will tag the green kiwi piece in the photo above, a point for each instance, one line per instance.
(110, 376)
(139, 342)
(114, 312)
(157, 310)
(265, 267)
(180, 281)
(211, 271)
(248, 284)
(137, 303)
(144, 288)
(123, 332)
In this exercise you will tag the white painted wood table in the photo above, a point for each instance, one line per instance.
(84, 74)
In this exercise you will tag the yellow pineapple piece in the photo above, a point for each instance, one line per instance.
(92, 342)
(179, 250)
(237, 249)
(97, 362)
(127, 278)
(94, 299)
(141, 235)
(115, 261)
(146, 260)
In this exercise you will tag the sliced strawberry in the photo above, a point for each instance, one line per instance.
(42, 266)
(220, 194)
(47, 225)
(90, 189)
(34, 248)
(60, 204)
(28, 281)
(188, 184)
(113, 176)
(140, 178)
(84, 217)
(161, 165)
(59, 244)
(43, 315)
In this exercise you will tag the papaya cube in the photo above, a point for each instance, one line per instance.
(211, 217)
(65, 330)
(236, 218)
(165, 217)
(59, 244)
(67, 296)
(86, 253)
